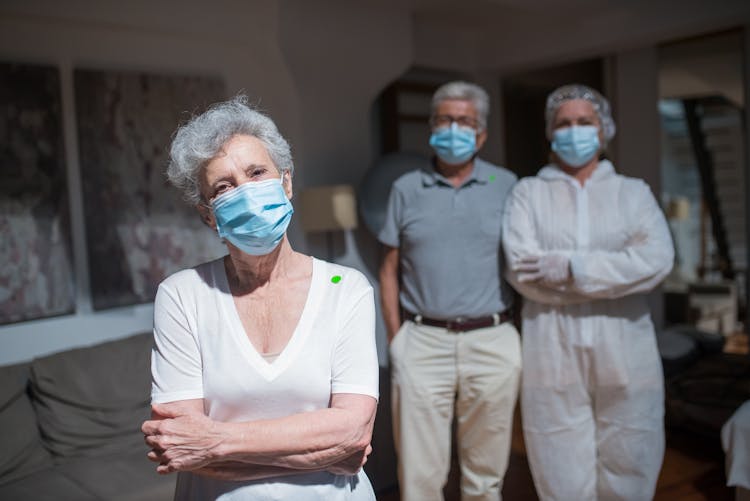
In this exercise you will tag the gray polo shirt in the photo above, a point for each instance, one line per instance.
(449, 241)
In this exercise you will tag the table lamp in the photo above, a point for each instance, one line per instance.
(328, 209)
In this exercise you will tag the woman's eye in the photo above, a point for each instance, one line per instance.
(221, 189)
(257, 172)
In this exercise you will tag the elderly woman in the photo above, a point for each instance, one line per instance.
(265, 374)
(585, 245)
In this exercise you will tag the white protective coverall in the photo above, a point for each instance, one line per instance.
(592, 386)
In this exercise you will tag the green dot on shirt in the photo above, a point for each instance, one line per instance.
(336, 279)
(492, 178)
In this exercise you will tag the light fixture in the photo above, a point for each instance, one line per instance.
(678, 209)
(328, 209)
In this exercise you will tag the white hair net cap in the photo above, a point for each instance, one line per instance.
(578, 91)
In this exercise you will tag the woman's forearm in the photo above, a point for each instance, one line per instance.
(188, 440)
(237, 471)
(302, 441)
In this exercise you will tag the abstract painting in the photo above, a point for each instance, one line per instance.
(36, 271)
(138, 228)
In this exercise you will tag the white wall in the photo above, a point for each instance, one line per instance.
(340, 55)
(635, 99)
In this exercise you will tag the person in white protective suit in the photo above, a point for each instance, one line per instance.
(584, 244)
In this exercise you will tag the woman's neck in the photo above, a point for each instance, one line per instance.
(581, 174)
(247, 272)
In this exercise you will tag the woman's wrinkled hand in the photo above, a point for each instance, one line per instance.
(181, 440)
(352, 464)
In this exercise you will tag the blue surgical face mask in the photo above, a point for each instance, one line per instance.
(576, 145)
(254, 216)
(454, 144)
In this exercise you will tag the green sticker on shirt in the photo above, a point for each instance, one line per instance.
(492, 178)
(336, 279)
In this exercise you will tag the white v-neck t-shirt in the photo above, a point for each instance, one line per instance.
(201, 351)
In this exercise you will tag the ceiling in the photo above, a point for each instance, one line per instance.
(703, 66)
(497, 14)
(514, 36)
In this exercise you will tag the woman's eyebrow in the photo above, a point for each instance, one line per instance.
(255, 166)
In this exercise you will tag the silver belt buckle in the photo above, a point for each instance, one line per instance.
(458, 323)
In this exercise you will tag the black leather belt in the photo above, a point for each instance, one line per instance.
(461, 324)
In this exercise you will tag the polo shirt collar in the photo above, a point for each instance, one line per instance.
(479, 174)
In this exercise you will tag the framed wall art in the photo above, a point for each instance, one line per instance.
(36, 270)
(138, 229)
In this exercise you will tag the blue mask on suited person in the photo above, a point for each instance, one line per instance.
(254, 216)
(576, 145)
(454, 144)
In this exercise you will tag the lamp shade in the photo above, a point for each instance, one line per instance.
(678, 209)
(328, 208)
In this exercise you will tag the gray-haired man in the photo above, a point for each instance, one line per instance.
(456, 349)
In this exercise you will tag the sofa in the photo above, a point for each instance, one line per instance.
(703, 385)
(70, 426)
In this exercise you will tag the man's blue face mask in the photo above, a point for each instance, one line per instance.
(576, 145)
(254, 216)
(455, 144)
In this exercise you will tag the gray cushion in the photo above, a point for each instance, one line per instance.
(707, 342)
(49, 485)
(21, 449)
(678, 351)
(92, 401)
(674, 344)
(121, 477)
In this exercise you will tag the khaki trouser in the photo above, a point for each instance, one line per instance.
(435, 371)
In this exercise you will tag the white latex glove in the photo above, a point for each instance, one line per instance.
(549, 268)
